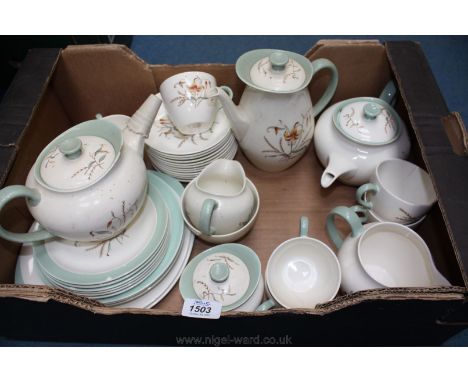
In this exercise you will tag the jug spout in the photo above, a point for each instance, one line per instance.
(139, 125)
(223, 177)
(239, 121)
(336, 167)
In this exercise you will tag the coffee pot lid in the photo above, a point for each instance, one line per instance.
(367, 120)
(227, 273)
(273, 70)
(80, 156)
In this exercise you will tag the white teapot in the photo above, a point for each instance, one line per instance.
(353, 136)
(89, 182)
(274, 122)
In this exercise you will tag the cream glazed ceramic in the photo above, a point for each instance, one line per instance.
(352, 137)
(274, 121)
(379, 255)
(219, 201)
(229, 274)
(89, 183)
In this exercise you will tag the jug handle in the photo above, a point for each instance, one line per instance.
(206, 213)
(34, 197)
(350, 216)
(317, 65)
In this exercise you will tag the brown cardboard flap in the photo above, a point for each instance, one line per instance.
(106, 79)
(362, 66)
(456, 133)
(426, 107)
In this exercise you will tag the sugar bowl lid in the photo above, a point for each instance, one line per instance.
(79, 157)
(367, 120)
(275, 71)
(227, 273)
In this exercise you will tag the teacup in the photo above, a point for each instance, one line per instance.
(398, 191)
(301, 273)
(190, 101)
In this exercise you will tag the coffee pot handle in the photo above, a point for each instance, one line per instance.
(34, 197)
(350, 216)
(317, 65)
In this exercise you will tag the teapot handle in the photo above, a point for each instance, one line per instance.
(34, 197)
(317, 65)
(350, 216)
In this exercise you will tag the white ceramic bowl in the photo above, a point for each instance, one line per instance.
(303, 272)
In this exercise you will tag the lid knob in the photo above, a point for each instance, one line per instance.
(71, 148)
(371, 110)
(219, 272)
(278, 60)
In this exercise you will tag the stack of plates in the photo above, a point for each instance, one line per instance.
(185, 156)
(135, 269)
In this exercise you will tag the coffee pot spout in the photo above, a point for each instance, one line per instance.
(139, 125)
(238, 119)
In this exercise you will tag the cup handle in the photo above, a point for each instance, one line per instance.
(34, 197)
(317, 65)
(304, 226)
(350, 217)
(267, 305)
(227, 90)
(361, 191)
(206, 213)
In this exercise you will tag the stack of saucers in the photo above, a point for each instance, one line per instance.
(184, 156)
(137, 268)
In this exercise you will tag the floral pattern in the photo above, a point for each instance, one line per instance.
(117, 221)
(166, 129)
(50, 158)
(289, 142)
(105, 246)
(98, 159)
(194, 92)
(215, 295)
(290, 72)
(406, 217)
(353, 124)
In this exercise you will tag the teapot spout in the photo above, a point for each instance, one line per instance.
(139, 125)
(334, 170)
(239, 122)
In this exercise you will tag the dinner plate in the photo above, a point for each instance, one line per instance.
(91, 265)
(177, 225)
(27, 271)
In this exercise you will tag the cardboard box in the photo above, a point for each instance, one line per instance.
(57, 89)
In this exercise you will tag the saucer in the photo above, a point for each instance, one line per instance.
(165, 138)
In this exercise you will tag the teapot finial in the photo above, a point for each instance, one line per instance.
(278, 60)
(139, 125)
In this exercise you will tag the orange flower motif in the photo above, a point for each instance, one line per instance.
(293, 134)
(195, 87)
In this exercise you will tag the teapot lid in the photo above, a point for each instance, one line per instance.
(367, 120)
(275, 71)
(79, 157)
(227, 273)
